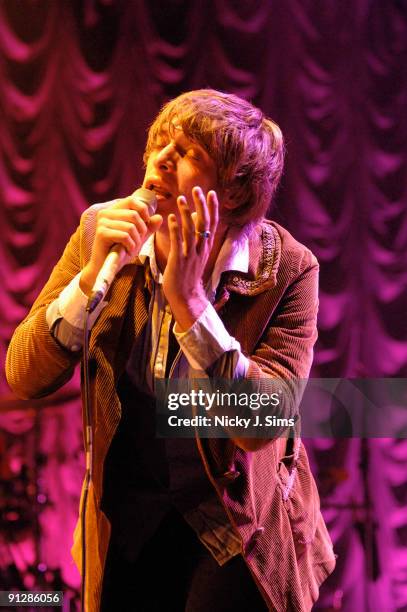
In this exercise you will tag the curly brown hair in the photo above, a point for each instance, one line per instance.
(247, 147)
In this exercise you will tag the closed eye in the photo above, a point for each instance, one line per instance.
(189, 152)
(183, 151)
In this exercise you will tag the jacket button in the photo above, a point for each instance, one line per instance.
(228, 477)
(231, 475)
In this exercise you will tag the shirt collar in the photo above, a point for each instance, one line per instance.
(147, 250)
(233, 255)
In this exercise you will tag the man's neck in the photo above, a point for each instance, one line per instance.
(162, 249)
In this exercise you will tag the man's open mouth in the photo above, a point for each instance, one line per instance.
(159, 190)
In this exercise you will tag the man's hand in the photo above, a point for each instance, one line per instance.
(128, 223)
(188, 256)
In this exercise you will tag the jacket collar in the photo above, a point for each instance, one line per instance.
(264, 260)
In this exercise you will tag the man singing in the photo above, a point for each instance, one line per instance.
(207, 287)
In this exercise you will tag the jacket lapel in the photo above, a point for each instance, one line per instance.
(125, 296)
(264, 260)
(244, 301)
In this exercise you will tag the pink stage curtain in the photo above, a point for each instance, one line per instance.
(80, 83)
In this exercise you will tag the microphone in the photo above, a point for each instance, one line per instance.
(112, 263)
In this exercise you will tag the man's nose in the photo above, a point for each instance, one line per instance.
(167, 158)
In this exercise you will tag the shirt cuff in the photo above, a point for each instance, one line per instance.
(207, 340)
(66, 315)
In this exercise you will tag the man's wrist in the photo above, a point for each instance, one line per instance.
(187, 311)
(87, 279)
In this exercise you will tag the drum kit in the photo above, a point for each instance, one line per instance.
(22, 500)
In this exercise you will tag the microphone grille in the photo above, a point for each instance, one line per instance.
(147, 197)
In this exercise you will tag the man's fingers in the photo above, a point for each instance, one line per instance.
(202, 219)
(116, 236)
(124, 225)
(132, 203)
(188, 227)
(154, 224)
(120, 214)
(213, 208)
(175, 236)
(205, 219)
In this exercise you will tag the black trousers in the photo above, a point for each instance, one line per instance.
(175, 573)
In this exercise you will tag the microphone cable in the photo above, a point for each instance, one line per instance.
(88, 441)
(146, 196)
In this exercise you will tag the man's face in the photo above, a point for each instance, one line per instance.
(177, 164)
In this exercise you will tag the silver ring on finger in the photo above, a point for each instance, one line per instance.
(203, 234)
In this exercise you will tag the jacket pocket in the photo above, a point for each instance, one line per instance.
(300, 497)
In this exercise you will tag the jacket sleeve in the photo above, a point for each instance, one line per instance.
(286, 348)
(36, 365)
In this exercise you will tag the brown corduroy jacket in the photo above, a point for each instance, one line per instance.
(270, 498)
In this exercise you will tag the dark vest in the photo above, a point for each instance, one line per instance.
(145, 476)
